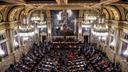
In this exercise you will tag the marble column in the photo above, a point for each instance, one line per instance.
(9, 36)
(120, 35)
(80, 37)
(117, 35)
(49, 25)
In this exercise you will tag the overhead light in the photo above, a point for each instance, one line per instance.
(36, 18)
(42, 25)
(26, 30)
(100, 28)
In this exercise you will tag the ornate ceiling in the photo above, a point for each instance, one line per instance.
(60, 2)
(63, 4)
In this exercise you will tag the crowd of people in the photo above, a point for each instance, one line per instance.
(96, 60)
(31, 59)
(44, 57)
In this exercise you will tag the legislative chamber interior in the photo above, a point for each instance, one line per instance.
(63, 35)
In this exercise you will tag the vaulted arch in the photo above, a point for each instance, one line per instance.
(114, 12)
(122, 11)
(6, 11)
(107, 14)
(14, 13)
(1, 16)
(25, 10)
(2, 7)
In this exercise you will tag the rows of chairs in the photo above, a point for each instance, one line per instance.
(46, 65)
(96, 60)
(31, 59)
(76, 65)
(43, 58)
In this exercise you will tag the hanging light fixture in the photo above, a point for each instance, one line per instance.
(26, 29)
(35, 18)
(42, 23)
(89, 18)
(100, 29)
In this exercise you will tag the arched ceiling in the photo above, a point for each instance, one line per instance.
(122, 11)
(47, 3)
(2, 7)
(107, 14)
(12, 12)
(115, 13)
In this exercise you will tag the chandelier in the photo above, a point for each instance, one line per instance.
(42, 23)
(26, 29)
(89, 18)
(35, 18)
(38, 19)
(100, 29)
